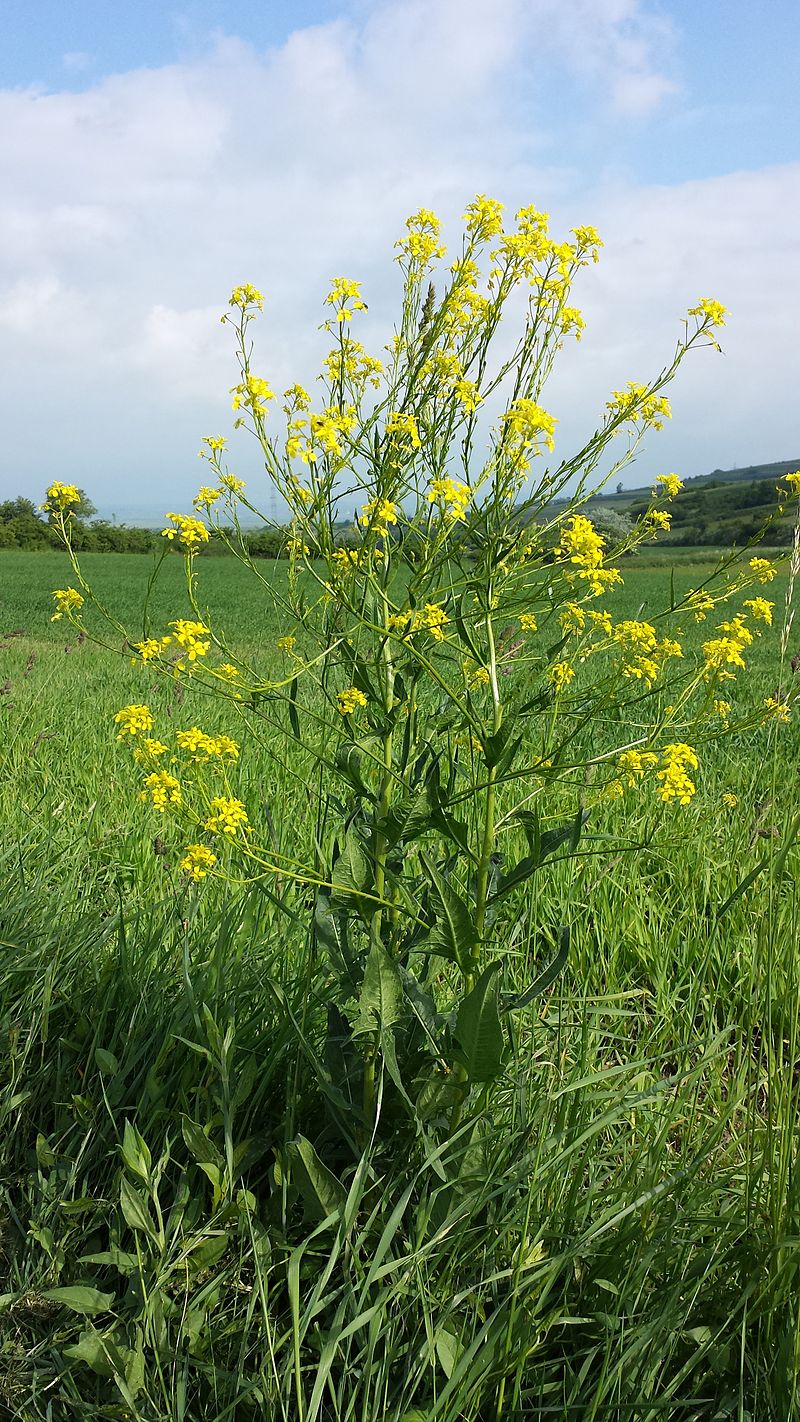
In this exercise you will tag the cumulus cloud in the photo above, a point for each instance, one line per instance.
(128, 210)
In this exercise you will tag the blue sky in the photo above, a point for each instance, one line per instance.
(151, 157)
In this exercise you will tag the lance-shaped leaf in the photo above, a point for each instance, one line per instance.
(453, 935)
(478, 1031)
(323, 1195)
(542, 846)
(381, 999)
(352, 873)
(348, 763)
(545, 979)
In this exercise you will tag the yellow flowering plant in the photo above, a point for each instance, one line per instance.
(443, 671)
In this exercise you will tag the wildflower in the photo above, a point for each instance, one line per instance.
(527, 621)
(571, 322)
(231, 483)
(763, 569)
(722, 709)
(150, 648)
(476, 675)
(286, 644)
(709, 311)
(205, 497)
(600, 619)
(377, 515)
(163, 789)
(676, 783)
(451, 496)
(432, 618)
(466, 392)
(132, 720)
(197, 861)
(634, 763)
(730, 800)
(190, 532)
(572, 618)
(405, 424)
(325, 430)
(227, 671)
(246, 296)
(350, 700)
(421, 246)
(793, 480)
(192, 637)
(297, 547)
(720, 652)
(67, 600)
(253, 393)
(526, 423)
(588, 240)
(700, 603)
(483, 218)
(149, 750)
(637, 404)
(760, 608)
(583, 547)
(214, 444)
(561, 674)
(656, 519)
(227, 816)
(398, 621)
(670, 484)
(62, 496)
(342, 292)
(777, 710)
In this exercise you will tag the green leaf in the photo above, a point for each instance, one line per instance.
(106, 1061)
(453, 935)
(198, 1144)
(322, 1193)
(542, 846)
(478, 1030)
(381, 999)
(45, 1155)
(348, 763)
(134, 1209)
(294, 719)
(135, 1152)
(80, 1298)
(545, 979)
(352, 873)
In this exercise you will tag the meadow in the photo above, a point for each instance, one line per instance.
(618, 1238)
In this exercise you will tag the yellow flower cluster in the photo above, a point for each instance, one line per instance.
(61, 496)
(476, 675)
(526, 425)
(350, 363)
(639, 406)
(466, 393)
(350, 700)
(709, 311)
(203, 747)
(324, 432)
(346, 295)
(190, 532)
(657, 521)
(778, 710)
(214, 445)
(451, 496)
(231, 483)
(246, 296)
(518, 253)
(634, 763)
(163, 789)
(67, 600)
(676, 783)
(432, 618)
(253, 393)
(149, 750)
(132, 720)
(399, 423)
(670, 484)
(150, 648)
(484, 218)
(729, 800)
(527, 621)
(760, 608)
(793, 480)
(197, 861)
(642, 653)
(725, 651)
(722, 709)
(227, 816)
(297, 548)
(763, 570)
(561, 674)
(583, 547)
(377, 515)
(421, 246)
(206, 497)
(286, 644)
(193, 638)
(700, 603)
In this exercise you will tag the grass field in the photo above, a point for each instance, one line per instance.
(632, 1251)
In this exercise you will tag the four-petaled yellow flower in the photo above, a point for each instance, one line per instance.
(193, 638)
(527, 621)
(763, 569)
(132, 720)
(163, 789)
(252, 393)
(246, 296)
(730, 800)
(639, 405)
(350, 699)
(346, 295)
(227, 816)
(198, 859)
(67, 600)
(709, 310)
(793, 480)
(760, 608)
(286, 644)
(150, 648)
(484, 218)
(149, 750)
(777, 710)
(190, 532)
(400, 423)
(377, 515)
(206, 497)
(634, 763)
(451, 496)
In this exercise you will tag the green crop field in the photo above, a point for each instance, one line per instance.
(629, 1252)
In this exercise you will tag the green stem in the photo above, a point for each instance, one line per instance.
(379, 857)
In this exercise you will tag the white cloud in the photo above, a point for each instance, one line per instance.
(128, 211)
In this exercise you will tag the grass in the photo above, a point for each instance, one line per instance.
(618, 1240)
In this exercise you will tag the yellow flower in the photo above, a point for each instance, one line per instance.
(228, 672)
(246, 296)
(286, 644)
(638, 405)
(670, 484)
(62, 496)
(231, 483)
(727, 650)
(777, 710)
(343, 291)
(793, 480)
(484, 218)
(214, 444)
(205, 497)
(709, 311)
(700, 603)
(132, 720)
(722, 709)
(561, 674)
(730, 800)
(421, 246)
(297, 547)
(572, 617)
(634, 763)
(399, 423)
(760, 608)
(227, 816)
(476, 675)
(149, 750)
(192, 637)
(190, 532)
(163, 789)
(197, 861)
(763, 569)
(527, 621)
(253, 393)
(676, 783)
(350, 700)
(526, 423)
(67, 600)
(432, 618)
(377, 515)
(451, 496)
(151, 648)
(656, 519)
